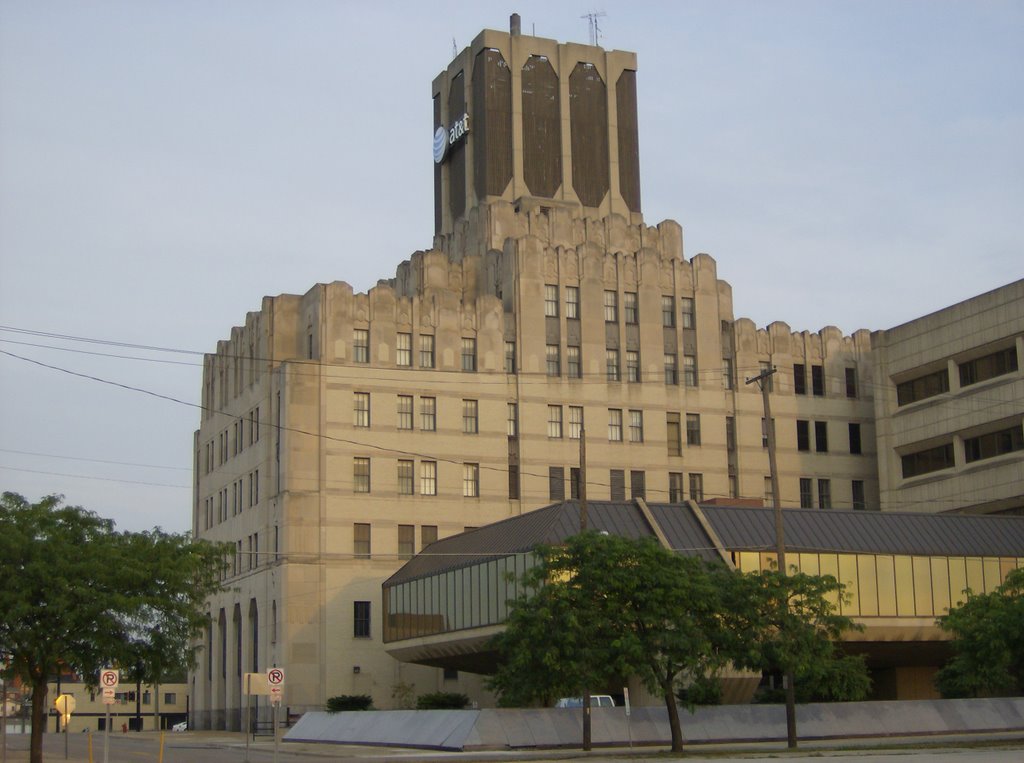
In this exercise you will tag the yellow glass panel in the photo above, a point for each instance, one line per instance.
(923, 603)
(940, 585)
(975, 575)
(867, 580)
(957, 581)
(848, 577)
(749, 561)
(1006, 566)
(808, 563)
(904, 586)
(828, 564)
(886, 580)
(992, 578)
(769, 561)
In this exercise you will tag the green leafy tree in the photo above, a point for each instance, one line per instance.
(80, 595)
(603, 607)
(789, 624)
(988, 643)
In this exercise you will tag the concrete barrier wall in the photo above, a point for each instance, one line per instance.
(547, 728)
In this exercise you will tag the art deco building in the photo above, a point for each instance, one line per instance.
(343, 432)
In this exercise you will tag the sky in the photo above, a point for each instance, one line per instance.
(164, 165)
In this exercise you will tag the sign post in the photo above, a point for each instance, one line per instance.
(275, 679)
(109, 679)
(65, 705)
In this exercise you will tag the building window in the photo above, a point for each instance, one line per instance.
(617, 483)
(510, 357)
(572, 302)
(690, 370)
(551, 300)
(671, 369)
(855, 438)
(471, 480)
(630, 307)
(470, 420)
(851, 382)
(468, 353)
(821, 436)
(575, 367)
(405, 478)
(426, 350)
(428, 535)
(689, 318)
(922, 387)
(361, 619)
(824, 494)
(513, 419)
(428, 478)
(727, 373)
(361, 475)
(361, 543)
(632, 366)
(614, 425)
(675, 487)
(428, 414)
(993, 444)
(636, 426)
(611, 364)
(668, 313)
(925, 461)
(637, 484)
(556, 483)
(361, 409)
(575, 422)
(406, 541)
(552, 360)
(857, 490)
(696, 487)
(800, 379)
(574, 483)
(403, 350)
(673, 434)
(361, 345)
(803, 435)
(692, 429)
(988, 367)
(818, 380)
(806, 493)
(611, 307)
(404, 412)
(730, 433)
(170, 698)
(765, 372)
(513, 482)
(555, 421)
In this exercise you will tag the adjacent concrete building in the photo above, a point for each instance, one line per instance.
(343, 432)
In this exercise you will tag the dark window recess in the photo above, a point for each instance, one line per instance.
(993, 444)
(513, 482)
(638, 484)
(361, 619)
(574, 483)
(806, 493)
(855, 438)
(803, 435)
(988, 367)
(851, 382)
(925, 461)
(821, 436)
(857, 490)
(556, 483)
(617, 478)
(800, 379)
(818, 380)
(922, 387)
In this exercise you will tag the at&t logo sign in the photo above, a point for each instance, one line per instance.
(445, 138)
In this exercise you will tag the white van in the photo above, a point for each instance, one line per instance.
(596, 700)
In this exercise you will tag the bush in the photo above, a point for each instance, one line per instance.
(703, 690)
(442, 700)
(345, 702)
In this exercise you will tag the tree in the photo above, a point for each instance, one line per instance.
(78, 594)
(603, 607)
(988, 643)
(789, 624)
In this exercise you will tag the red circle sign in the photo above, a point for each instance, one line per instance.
(275, 676)
(109, 678)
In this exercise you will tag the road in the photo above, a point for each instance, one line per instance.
(221, 747)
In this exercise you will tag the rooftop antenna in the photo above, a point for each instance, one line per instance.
(595, 30)
(455, 49)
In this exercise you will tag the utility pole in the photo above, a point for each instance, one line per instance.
(763, 380)
(582, 488)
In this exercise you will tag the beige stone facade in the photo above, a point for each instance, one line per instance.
(950, 407)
